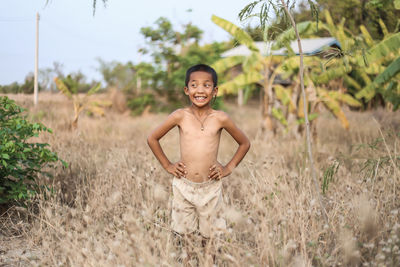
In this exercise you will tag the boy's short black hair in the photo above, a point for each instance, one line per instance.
(201, 67)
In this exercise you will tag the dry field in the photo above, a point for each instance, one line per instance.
(111, 205)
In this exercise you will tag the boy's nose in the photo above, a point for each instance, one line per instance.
(201, 88)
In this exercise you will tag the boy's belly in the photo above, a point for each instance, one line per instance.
(198, 172)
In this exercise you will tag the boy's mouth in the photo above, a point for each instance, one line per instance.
(200, 97)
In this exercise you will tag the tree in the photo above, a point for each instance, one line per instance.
(70, 90)
(366, 12)
(246, 13)
(118, 75)
(263, 70)
(173, 52)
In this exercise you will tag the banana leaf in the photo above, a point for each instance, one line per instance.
(94, 89)
(333, 106)
(62, 87)
(390, 72)
(253, 62)
(331, 74)
(284, 95)
(345, 98)
(382, 49)
(224, 64)
(239, 34)
(349, 81)
(367, 37)
(240, 81)
(383, 28)
(374, 69)
(278, 114)
(306, 27)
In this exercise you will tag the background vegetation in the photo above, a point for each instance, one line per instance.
(110, 204)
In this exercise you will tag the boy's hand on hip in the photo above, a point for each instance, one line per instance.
(177, 169)
(217, 171)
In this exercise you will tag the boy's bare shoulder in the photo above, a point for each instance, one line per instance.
(178, 114)
(221, 115)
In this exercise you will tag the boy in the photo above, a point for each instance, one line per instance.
(197, 195)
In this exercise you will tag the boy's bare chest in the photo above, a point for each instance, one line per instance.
(200, 129)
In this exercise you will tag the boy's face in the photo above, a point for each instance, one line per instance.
(201, 88)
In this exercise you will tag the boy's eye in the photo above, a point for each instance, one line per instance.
(208, 85)
(193, 85)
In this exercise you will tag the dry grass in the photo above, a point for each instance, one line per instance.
(112, 204)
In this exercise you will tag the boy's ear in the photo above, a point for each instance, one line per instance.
(215, 90)
(186, 90)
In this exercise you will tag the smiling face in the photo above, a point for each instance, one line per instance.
(201, 88)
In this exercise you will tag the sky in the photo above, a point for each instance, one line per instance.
(69, 33)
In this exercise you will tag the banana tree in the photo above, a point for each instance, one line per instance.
(263, 69)
(350, 67)
(257, 69)
(80, 103)
(368, 67)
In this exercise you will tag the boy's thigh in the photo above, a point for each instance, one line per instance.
(184, 217)
(211, 217)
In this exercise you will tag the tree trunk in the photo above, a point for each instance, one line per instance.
(313, 174)
(240, 97)
(268, 124)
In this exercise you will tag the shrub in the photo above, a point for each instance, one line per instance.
(20, 160)
(139, 103)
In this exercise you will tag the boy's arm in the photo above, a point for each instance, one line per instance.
(217, 172)
(177, 169)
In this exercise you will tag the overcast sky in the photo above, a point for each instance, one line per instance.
(70, 35)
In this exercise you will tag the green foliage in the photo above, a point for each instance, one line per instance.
(118, 75)
(173, 52)
(76, 82)
(328, 176)
(365, 13)
(242, 36)
(139, 103)
(16, 88)
(20, 160)
(218, 103)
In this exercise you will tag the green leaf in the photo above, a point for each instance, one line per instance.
(226, 63)
(390, 72)
(367, 37)
(284, 95)
(333, 106)
(239, 81)
(239, 34)
(94, 89)
(20, 160)
(278, 114)
(345, 98)
(63, 88)
(306, 27)
(331, 74)
(311, 117)
(383, 28)
(388, 46)
(397, 4)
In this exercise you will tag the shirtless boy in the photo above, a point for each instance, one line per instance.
(197, 195)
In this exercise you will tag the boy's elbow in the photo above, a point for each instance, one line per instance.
(247, 145)
(149, 140)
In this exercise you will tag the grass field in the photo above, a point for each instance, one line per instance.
(111, 206)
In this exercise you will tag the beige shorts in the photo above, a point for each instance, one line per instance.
(197, 207)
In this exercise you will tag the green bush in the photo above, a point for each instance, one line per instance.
(139, 103)
(20, 160)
